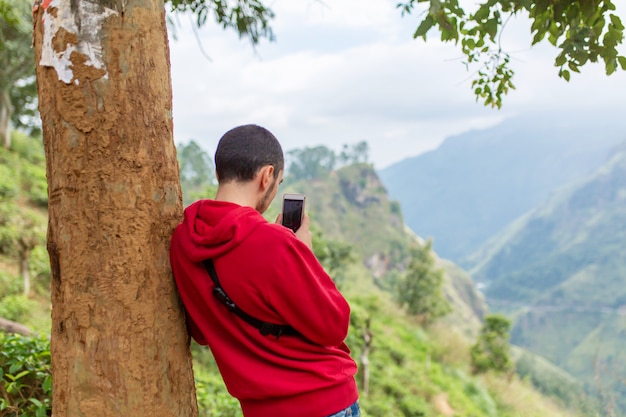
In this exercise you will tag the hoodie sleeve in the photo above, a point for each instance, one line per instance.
(305, 296)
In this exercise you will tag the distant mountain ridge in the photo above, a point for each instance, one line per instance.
(477, 182)
(561, 270)
(351, 204)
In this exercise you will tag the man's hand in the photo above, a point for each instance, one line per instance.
(303, 233)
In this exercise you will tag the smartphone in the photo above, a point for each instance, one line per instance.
(293, 210)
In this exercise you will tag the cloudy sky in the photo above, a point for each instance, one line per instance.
(343, 71)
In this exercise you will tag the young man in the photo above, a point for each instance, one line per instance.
(272, 275)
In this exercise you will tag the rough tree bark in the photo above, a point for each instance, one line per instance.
(6, 110)
(119, 344)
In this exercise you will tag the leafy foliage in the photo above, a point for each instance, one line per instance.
(17, 65)
(319, 161)
(333, 254)
(583, 31)
(309, 163)
(213, 398)
(420, 290)
(25, 376)
(491, 352)
(412, 369)
(196, 166)
(22, 228)
(548, 378)
(16, 307)
(249, 18)
(197, 172)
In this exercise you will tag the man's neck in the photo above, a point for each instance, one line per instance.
(242, 193)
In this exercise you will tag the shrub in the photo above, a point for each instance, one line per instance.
(28, 148)
(39, 266)
(492, 350)
(213, 399)
(16, 307)
(25, 376)
(9, 285)
(35, 184)
(8, 185)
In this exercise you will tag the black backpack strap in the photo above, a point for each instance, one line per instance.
(264, 327)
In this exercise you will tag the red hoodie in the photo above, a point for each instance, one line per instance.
(271, 275)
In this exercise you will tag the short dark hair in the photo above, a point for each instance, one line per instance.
(244, 150)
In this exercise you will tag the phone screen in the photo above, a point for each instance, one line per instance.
(292, 213)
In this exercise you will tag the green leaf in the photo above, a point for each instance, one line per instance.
(622, 62)
(18, 376)
(616, 22)
(424, 27)
(560, 60)
(611, 66)
(14, 367)
(491, 27)
(36, 402)
(564, 74)
(47, 384)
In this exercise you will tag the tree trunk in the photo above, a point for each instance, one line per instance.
(6, 110)
(24, 272)
(119, 344)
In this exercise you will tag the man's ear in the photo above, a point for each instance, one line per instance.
(267, 176)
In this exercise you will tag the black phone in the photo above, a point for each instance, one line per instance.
(293, 210)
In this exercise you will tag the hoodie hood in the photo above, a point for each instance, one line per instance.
(211, 228)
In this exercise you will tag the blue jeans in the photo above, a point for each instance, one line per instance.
(352, 411)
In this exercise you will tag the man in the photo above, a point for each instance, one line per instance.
(272, 275)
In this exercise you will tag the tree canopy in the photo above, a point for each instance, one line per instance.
(421, 287)
(583, 31)
(491, 350)
(17, 67)
(249, 18)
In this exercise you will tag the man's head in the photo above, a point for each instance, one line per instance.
(250, 155)
(244, 150)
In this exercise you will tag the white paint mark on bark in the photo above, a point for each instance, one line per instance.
(85, 22)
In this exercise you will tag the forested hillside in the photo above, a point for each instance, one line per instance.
(410, 364)
(476, 183)
(564, 263)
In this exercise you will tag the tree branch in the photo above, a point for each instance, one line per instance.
(12, 327)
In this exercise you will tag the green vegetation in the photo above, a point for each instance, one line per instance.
(24, 268)
(351, 204)
(17, 69)
(581, 31)
(420, 289)
(563, 263)
(25, 376)
(411, 370)
(318, 162)
(475, 184)
(491, 350)
(197, 172)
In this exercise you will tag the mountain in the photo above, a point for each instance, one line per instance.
(476, 183)
(561, 270)
(351, 204)
(413, 371)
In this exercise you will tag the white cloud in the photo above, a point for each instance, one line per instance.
(349, 70)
